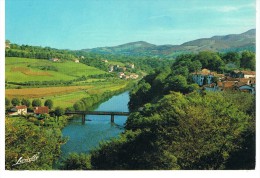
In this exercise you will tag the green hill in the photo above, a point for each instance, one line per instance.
(25, 69)
(231, 42)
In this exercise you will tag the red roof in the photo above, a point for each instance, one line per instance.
(41, 110)
(21, 107)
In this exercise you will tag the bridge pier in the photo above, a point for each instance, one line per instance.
(112, 118)
(83, 119)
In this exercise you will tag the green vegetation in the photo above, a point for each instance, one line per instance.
(184, 132)
(21, 70)
(48, 103)
(36, 102)
(27, 137)
(15, 102)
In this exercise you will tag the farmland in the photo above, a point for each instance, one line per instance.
(66, 96)
(25, 69)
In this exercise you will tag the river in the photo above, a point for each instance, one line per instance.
(83, 138)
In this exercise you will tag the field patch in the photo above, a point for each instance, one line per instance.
(43, 92)
(27, 71)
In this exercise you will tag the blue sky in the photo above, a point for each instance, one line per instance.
(79, 24)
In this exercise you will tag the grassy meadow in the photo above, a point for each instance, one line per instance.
(25, 69)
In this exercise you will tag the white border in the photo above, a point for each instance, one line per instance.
(69, 174)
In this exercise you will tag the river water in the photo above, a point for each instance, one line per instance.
(83, 138)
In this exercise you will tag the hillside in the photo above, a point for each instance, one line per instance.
(231, 42)
(25, 69)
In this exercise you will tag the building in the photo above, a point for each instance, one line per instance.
(199, 77)
(76, 60)
(111, 68)
(7, 44)
(126, 77)
(134, 76)
(104, 60)
(242, 74)
(54, 59)
(41, 110)
(247, 88)
(132, 66)
(121, 74)
(19, 110)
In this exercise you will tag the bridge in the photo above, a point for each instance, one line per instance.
(111, 113)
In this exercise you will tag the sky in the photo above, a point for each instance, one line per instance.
(81, 24)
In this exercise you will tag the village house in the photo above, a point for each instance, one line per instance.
(41, 110)
(105, 60)
(7, 45)
(54, 59)
(198, 77)
(126, 77)
(121, 74)
(134, 76)
(111, 68)
(76, 60)
(242, 74)
(18, 110)
(132, 66)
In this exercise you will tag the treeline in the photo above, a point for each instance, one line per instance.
(58, 82)
(85, 104)
(37, 52)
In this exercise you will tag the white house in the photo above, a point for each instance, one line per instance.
(19, 110)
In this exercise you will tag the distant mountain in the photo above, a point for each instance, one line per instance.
(232, 42)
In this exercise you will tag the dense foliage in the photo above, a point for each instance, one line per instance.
(37, 52)
(28, 137)
(184, 132)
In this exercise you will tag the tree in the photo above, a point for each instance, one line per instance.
(36, 102)
(76, 162)
(59, 111)
(196, 66)
(232, 57)
(26, 102)
(248, 60)
(7, 102)
(15, 102)
(175, 83)
(49, 103)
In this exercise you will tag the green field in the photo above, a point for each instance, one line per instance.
(24, 70)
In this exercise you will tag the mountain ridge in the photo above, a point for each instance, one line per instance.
(218, 43)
